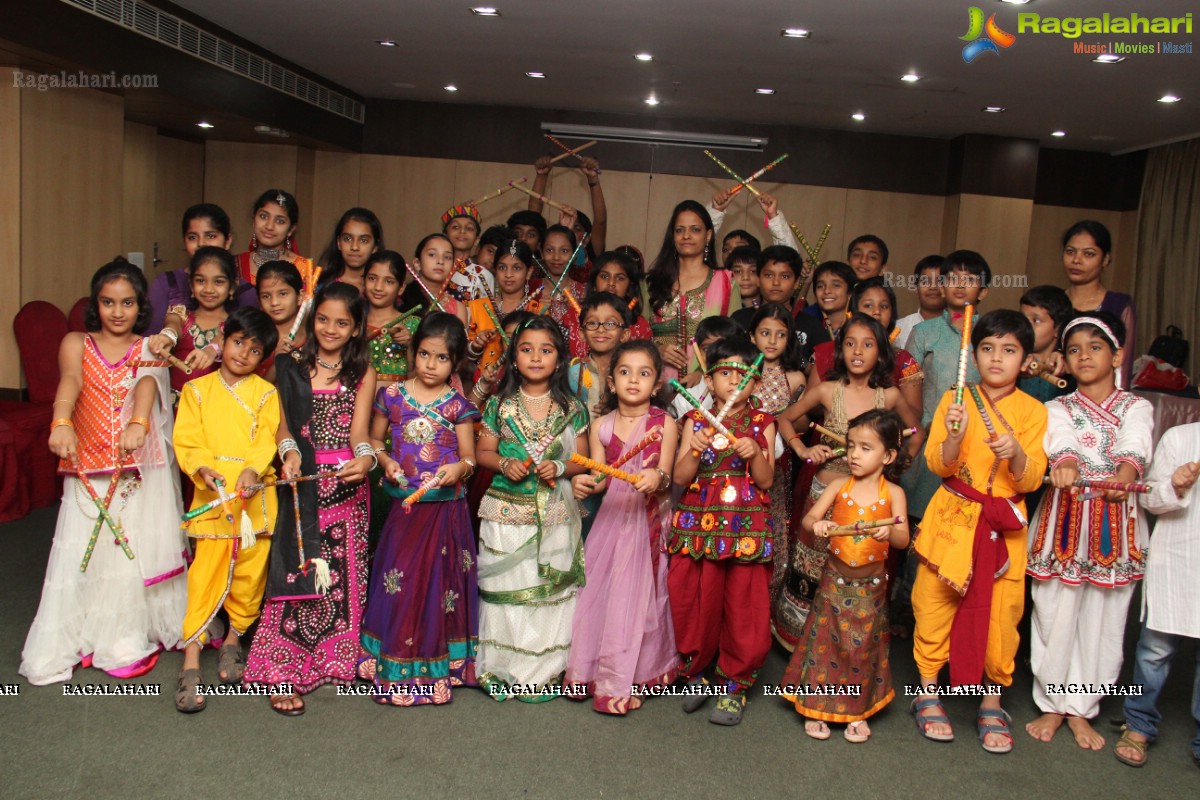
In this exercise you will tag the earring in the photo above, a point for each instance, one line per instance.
(706, 251)
(289, 242)
(253, 241)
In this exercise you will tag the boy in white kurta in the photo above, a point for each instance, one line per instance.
(1170, 593)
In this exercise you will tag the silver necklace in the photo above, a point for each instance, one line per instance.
(327, 365)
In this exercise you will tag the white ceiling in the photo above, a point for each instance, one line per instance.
(710, 56)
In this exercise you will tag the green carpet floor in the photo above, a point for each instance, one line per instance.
(54, 746)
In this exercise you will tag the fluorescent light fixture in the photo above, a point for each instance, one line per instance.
(644, 57)
(450, 87)
(485, 11)
(858, 116)
(910, 77)
(994, 109)
(205, 125)
(795, 33)
(1108, 58)
(1058, 134)
(764, 90)
(535, 74)
(645, 136)
(1169, 98)
(387, 42)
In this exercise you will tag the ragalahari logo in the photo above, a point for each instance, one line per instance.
(983, 37)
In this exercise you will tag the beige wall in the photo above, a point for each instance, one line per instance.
(10, 226)
(1045, 244)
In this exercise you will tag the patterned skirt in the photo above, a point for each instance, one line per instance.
(841, 673)
(419, 632)
(804, 560)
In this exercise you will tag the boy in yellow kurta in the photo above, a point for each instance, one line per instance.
(225, 432)
(969, 592)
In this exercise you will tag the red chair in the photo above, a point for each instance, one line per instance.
(75, 317)
(40, 328)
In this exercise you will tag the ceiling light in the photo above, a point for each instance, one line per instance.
(1015, 2)
(795, 33)
(535, 74)
(450, 87)
(644, 136)
(651, 100)
(485, 11)
(858, 116)
(205, 125)
(911, 77)
(1108, 58)
(387, 42)
(1168, 98)
(764, 90)
(1058, 134)
(994, 109)
(644, 57)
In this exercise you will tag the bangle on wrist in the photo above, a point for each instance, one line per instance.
(559, 468)
(663, 478)
(287, 446)
(60, 422)
(145, 423)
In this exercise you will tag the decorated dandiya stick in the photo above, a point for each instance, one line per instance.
(837, 452)
(704, 412)
(224, 499)
(491, 312)
(421, 283)
(837, 437)
(653, 436)
(307, 304)
(391, 325)
(859, 527)
(1049, 377)
(534, 295)
(541, 197)
(633, 303)
(569, 151)
(572, 302)
(987, 420)
(682, 318)
(108, 498)
(741, 387)
(303, 567)
(757, 175)
(602, 468)
(565, 272)
(170, 360)
(494, 194)
(733, 174)
(118, 531)
(907, 432)
(416, 496)
(964, 355)
(1113, 486)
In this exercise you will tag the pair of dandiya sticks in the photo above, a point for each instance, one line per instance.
(717, 422)
(306, 306)
(614, 470)
(838, 452)
(536, 451)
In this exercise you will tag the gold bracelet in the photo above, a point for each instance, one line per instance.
(145, 423)
(58, 423)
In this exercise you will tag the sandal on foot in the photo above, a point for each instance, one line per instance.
(1133, 744)
(697, 696)
(816, 729)
(924, 720)
(1000, 726)
(187, 699)
(853, 732)
(277, 701)
(231, 662)
(729, 710)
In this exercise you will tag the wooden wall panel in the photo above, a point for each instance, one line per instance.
(139, 168)
(474, 179)
(335, 189)
(236, 173)
(407, 194)
(178, 184)
(998, 228)
(911, 224)
(10, 227)
(1045, 244)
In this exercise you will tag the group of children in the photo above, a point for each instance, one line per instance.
(500, 418)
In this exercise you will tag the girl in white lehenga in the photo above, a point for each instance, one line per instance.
(111, 600)
(530, 550)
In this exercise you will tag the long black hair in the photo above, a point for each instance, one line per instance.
(116, 270)
(355, 355)
(663, 274)
(861, 288)
(331, 259)
(890, 429)
(881, 375)
(791, 353)
(560, 386)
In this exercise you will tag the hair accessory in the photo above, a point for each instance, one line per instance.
(512, 248)
(280, 200)
(1108, 334)
(463, 210)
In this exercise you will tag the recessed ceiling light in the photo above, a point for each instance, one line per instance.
(485, 11)
(764, 90)
(205, 125)
(994, 109)
(387, 42)
(535, 74)
(651, 100)
(450, 87)
(1108, 58)
(910, 77)
(1168, 98)
(795, 33)
(1058, 134)
(858, 116)
(644, 57)
(1015, 2)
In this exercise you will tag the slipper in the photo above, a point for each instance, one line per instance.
(819, 733)
(232, 662)
(277, 701)
(999, 727)
(924, 720)
(853, 734)
(1133, 744)
(187, 699)
(697, 695)
(729, 710)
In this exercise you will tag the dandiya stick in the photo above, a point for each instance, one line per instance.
(569, 151)
(837, 437)
(1049, 377)
(225, 498)
(699, 356)
(1115, 486)
(733, 174)
(683, 337)
(859, 527)
(178, 364)
(459, 265)
(565, 272)
(987, 420)
(306, 306)
(704, 412)
(541, 197)
(421, 283)
(494, 194)
(108, 498)
(602, 468)
(416, 496)
(650, 438)
(391, 325)
(964, 355)
(118, 531)
(837, 452)
(491, 312)
(757, 175)
(745, 381)
(299, 533)
(517, 432)
(535, 294)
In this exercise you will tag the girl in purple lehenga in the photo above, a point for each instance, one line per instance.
(623, 638)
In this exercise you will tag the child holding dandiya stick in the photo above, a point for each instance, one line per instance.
(513, 267)
(430, 271)
(388, 339)
(112, 432)
(969, 589)
(531, 555)
(426, 555)
(623, 636)
(845, 640)
(721, 546)
(192, 332)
